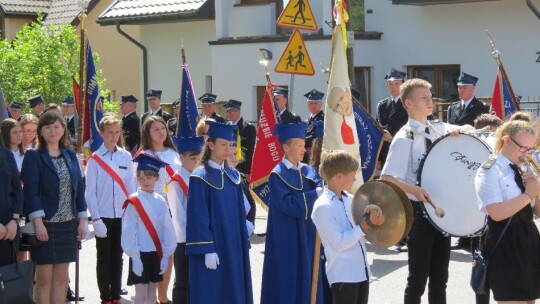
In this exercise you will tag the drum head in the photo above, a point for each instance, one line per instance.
(447, 173)
(381, 194)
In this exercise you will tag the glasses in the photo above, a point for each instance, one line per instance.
(522, 149)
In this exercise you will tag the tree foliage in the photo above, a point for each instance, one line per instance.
(356, 14)
(41, 60)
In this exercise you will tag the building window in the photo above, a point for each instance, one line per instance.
(443, 78)
(362, 83)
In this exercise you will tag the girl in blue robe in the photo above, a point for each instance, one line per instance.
(217, 240)
(290, 235)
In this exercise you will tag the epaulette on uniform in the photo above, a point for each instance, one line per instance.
(489, 163)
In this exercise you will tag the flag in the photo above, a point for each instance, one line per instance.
(501, 100)
(188, 115)
(340, 131)
(4, 110)
(370, 134)
(93, 107)
(267, 153)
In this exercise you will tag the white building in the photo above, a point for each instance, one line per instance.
(432, 40)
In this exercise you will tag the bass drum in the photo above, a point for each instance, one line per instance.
(447, 173)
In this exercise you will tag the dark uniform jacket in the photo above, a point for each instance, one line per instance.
(392, 116)
(71, 129)
(310, 134)
(248, 132)
(131, 130)
(215, 116)
(164, 114)
(458, 117)
(289, 117)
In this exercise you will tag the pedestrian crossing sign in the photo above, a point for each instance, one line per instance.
(298, 15)
(295, 59)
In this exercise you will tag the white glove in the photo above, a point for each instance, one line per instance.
(137, 266)
(163, 265)
(211, 260)
(100, 230)
(250, 227)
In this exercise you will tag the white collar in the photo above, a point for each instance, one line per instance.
(394, 98)
(215, 165)
(102, 151)
(466, 103)
(290, 165)
(70, 117)
(129, 113)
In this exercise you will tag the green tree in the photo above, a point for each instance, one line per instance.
(356, 14)
(41, 60)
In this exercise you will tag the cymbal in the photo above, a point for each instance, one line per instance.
(391, 199)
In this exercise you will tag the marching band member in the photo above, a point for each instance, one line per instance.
(147, 236)
(508, 196)
(156, 140)
(428, 248)
(109, 182)
(217, 241)
(190, 150)
(344, 242)
(290, 237)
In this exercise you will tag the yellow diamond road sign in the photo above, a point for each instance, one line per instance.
(295, 59)
(298, 15)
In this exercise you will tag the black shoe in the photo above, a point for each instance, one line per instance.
(70, 296)
(123, 292)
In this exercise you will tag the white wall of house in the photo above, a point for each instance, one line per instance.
(455, 34)
(163, 43)
(251, 20)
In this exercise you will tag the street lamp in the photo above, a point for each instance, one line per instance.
(265, 55)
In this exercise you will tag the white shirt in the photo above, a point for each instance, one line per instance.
(18, 158)
(344, 242)
(290, 165)
(465, 103)
(172, 158)
(135, 236)
(496, 184)
(408, 148)
(178, 203)
(103, 195)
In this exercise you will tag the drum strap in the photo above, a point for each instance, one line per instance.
(428, 141)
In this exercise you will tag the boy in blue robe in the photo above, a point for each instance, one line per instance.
(217, 241)
(290, 235)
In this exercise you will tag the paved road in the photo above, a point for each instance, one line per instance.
(388, 266)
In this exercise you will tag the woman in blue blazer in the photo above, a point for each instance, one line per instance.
(54, 199)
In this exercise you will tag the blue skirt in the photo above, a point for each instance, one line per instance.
(62, 244)
(150, 274)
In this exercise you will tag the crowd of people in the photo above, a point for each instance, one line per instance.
(183, 203)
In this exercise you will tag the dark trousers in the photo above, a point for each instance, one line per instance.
(429, 256)
(350, 293)
(109, 260)
(180, 292)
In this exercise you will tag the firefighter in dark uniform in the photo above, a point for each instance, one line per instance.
(390, 112)
(68, 108)
(208, 105)
(131, 124)
(468, 108)
(154, 101)
(15, 108)
(281, 96)
(171, 124)
(314, 104)
(37, 104)
(248, 134)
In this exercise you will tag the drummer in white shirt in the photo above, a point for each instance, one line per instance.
(428, 248)
(105, 197)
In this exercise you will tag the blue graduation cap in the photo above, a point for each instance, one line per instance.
(235, 104)
(15, 105)
(153, 93)
(208, 98)
(128, 98)
(292, 130)
(466, 79)
(395, 75)
(146, 161)
(281, 91)
(319, 128)
(220, 130)
(68, 100)
(314, 95)
(189, 144)
(35, 100)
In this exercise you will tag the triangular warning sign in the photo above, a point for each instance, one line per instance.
(295, 59)
(298, 15)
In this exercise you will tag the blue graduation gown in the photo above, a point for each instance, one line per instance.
(290, 237)
(216, 222)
